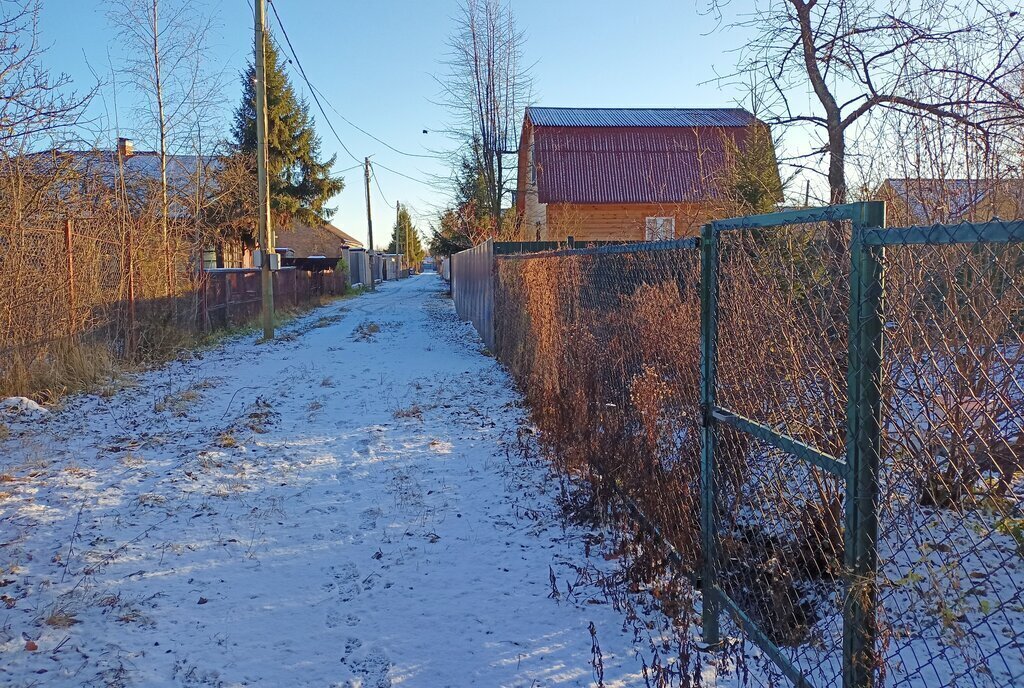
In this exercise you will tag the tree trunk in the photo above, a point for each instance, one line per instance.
(162, 124)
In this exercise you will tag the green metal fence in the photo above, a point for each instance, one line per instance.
(865, 462)
(855, 470)
(860, 412)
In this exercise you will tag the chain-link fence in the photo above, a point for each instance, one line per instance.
(951, 518)
(837, 464)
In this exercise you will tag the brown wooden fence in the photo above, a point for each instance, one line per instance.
(233, 296)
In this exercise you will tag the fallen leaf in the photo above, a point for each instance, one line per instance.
(202, 600)
(30, 646)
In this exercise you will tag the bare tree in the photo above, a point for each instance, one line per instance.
(487, 88)
(33, 104)
(165, 41)
(955, 60)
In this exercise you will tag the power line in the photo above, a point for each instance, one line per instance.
(312, 90)
(343, 117)
(378, 140)
(403, 174)
(374, 175)
(316, 93)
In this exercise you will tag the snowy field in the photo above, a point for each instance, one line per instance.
(345, 506)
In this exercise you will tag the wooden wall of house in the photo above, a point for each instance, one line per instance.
(620, 222)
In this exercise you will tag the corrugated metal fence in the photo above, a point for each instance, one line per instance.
(472, 278)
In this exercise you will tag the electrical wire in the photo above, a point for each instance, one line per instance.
(317, 94)
(378, 140)
(312, 90)
(403, 174)
(373, 175)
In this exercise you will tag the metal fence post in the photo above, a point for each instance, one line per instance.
(863, 440)
(711, 607)
(69, 251)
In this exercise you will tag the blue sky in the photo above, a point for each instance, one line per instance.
(376, 61)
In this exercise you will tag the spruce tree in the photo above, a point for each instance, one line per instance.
(404, 230)
(300, 183)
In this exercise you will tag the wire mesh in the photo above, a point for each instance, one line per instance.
(782, 343)
(605, 345)
(951, 521)
(606, 348)
(77, 292)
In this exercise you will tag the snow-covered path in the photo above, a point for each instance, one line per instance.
(345, 506)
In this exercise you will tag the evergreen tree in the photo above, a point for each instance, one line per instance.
(300, 183)
(405, 231)
(755, 186)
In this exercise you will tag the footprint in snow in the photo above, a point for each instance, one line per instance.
(372, 668)
(336, 620)
(369, 518)
(345, 580)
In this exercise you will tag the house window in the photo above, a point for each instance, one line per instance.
(660, 229)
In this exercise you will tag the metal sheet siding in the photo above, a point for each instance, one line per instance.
(639, 117)
(631, 164)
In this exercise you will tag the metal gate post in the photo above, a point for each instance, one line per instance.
(863, 441)
(711, 606)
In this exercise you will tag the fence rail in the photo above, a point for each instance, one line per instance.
(820, 417)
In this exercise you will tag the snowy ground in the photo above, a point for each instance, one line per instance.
(342, 507)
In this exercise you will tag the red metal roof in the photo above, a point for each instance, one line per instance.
(641, 164)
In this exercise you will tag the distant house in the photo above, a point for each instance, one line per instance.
(311, 247)
(88, 177)
(625, 174)
(84, 175)
(92, 182)
(941, 201)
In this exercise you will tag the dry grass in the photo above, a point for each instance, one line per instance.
(65, 368)
(151, 499)
(226, 440)
(179, 403)
(366, 331)
(132, 460)
(61, 618)
(414, 411)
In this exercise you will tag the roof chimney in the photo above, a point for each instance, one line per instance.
(125, 147)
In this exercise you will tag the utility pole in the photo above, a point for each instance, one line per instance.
(398, 217)
(265, 228)
(369, 224)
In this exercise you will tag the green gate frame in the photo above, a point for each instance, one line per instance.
(863, 438)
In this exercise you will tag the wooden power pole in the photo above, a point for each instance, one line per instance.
(369, 224)
(265, 229)
(398, 223)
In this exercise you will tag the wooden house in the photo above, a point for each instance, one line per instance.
(604, 174)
